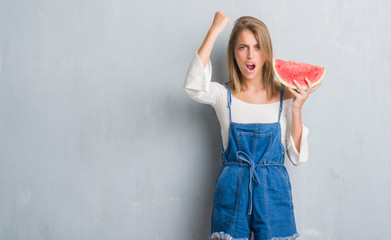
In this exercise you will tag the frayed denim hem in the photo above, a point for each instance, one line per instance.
(296, 235)
(225, 236)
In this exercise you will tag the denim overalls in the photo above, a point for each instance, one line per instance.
(253, 190)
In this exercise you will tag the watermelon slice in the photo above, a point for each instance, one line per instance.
(286, 71)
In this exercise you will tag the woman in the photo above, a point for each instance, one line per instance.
(259, 124)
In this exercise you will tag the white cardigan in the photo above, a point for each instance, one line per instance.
(198, 86)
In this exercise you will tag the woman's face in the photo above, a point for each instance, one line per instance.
(248, 56)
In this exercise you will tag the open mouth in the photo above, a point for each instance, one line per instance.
(250, 67)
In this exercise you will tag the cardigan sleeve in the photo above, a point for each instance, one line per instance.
(198, 85)
(293, 155)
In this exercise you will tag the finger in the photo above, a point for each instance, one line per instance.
(296, 94)
(310, 88)
(309, 83)
(317, 86)
(298, 85)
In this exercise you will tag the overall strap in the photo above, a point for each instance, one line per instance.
(281, 101)
(229, 101)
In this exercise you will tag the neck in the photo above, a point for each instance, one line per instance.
(252, 85)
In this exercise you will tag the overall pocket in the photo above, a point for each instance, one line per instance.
(285, 177)
(222, 171)
(226, 188)
(257, 146)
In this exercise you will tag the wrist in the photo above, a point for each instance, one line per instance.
(296, 111)
(214, 32)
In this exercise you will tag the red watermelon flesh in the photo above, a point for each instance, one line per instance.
(287, 71)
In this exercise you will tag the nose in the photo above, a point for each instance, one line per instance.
(250, 53)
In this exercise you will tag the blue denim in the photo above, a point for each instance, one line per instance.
(253, 190)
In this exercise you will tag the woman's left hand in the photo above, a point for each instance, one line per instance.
(302, 95)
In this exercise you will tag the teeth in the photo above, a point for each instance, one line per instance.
(251, 64)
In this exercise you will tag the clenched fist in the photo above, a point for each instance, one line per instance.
(220, 21)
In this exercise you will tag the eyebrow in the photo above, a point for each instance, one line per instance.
(248, 45)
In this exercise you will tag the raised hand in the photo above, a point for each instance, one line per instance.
(220, 21)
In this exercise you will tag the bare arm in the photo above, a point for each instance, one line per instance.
(297, 128)
(220, 21)
(298, 101)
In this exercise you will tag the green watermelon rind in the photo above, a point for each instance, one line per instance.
(294, 86)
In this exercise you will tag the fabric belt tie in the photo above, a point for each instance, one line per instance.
(253, 175)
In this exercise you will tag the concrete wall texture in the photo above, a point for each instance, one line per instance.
(99, 141)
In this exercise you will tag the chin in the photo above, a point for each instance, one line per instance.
(251, 77)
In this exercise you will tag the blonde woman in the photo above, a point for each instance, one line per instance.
(260, 125)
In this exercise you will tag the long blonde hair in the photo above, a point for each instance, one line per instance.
(261, 33)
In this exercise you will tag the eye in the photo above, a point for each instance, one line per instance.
(258, 47)
(241, 47)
